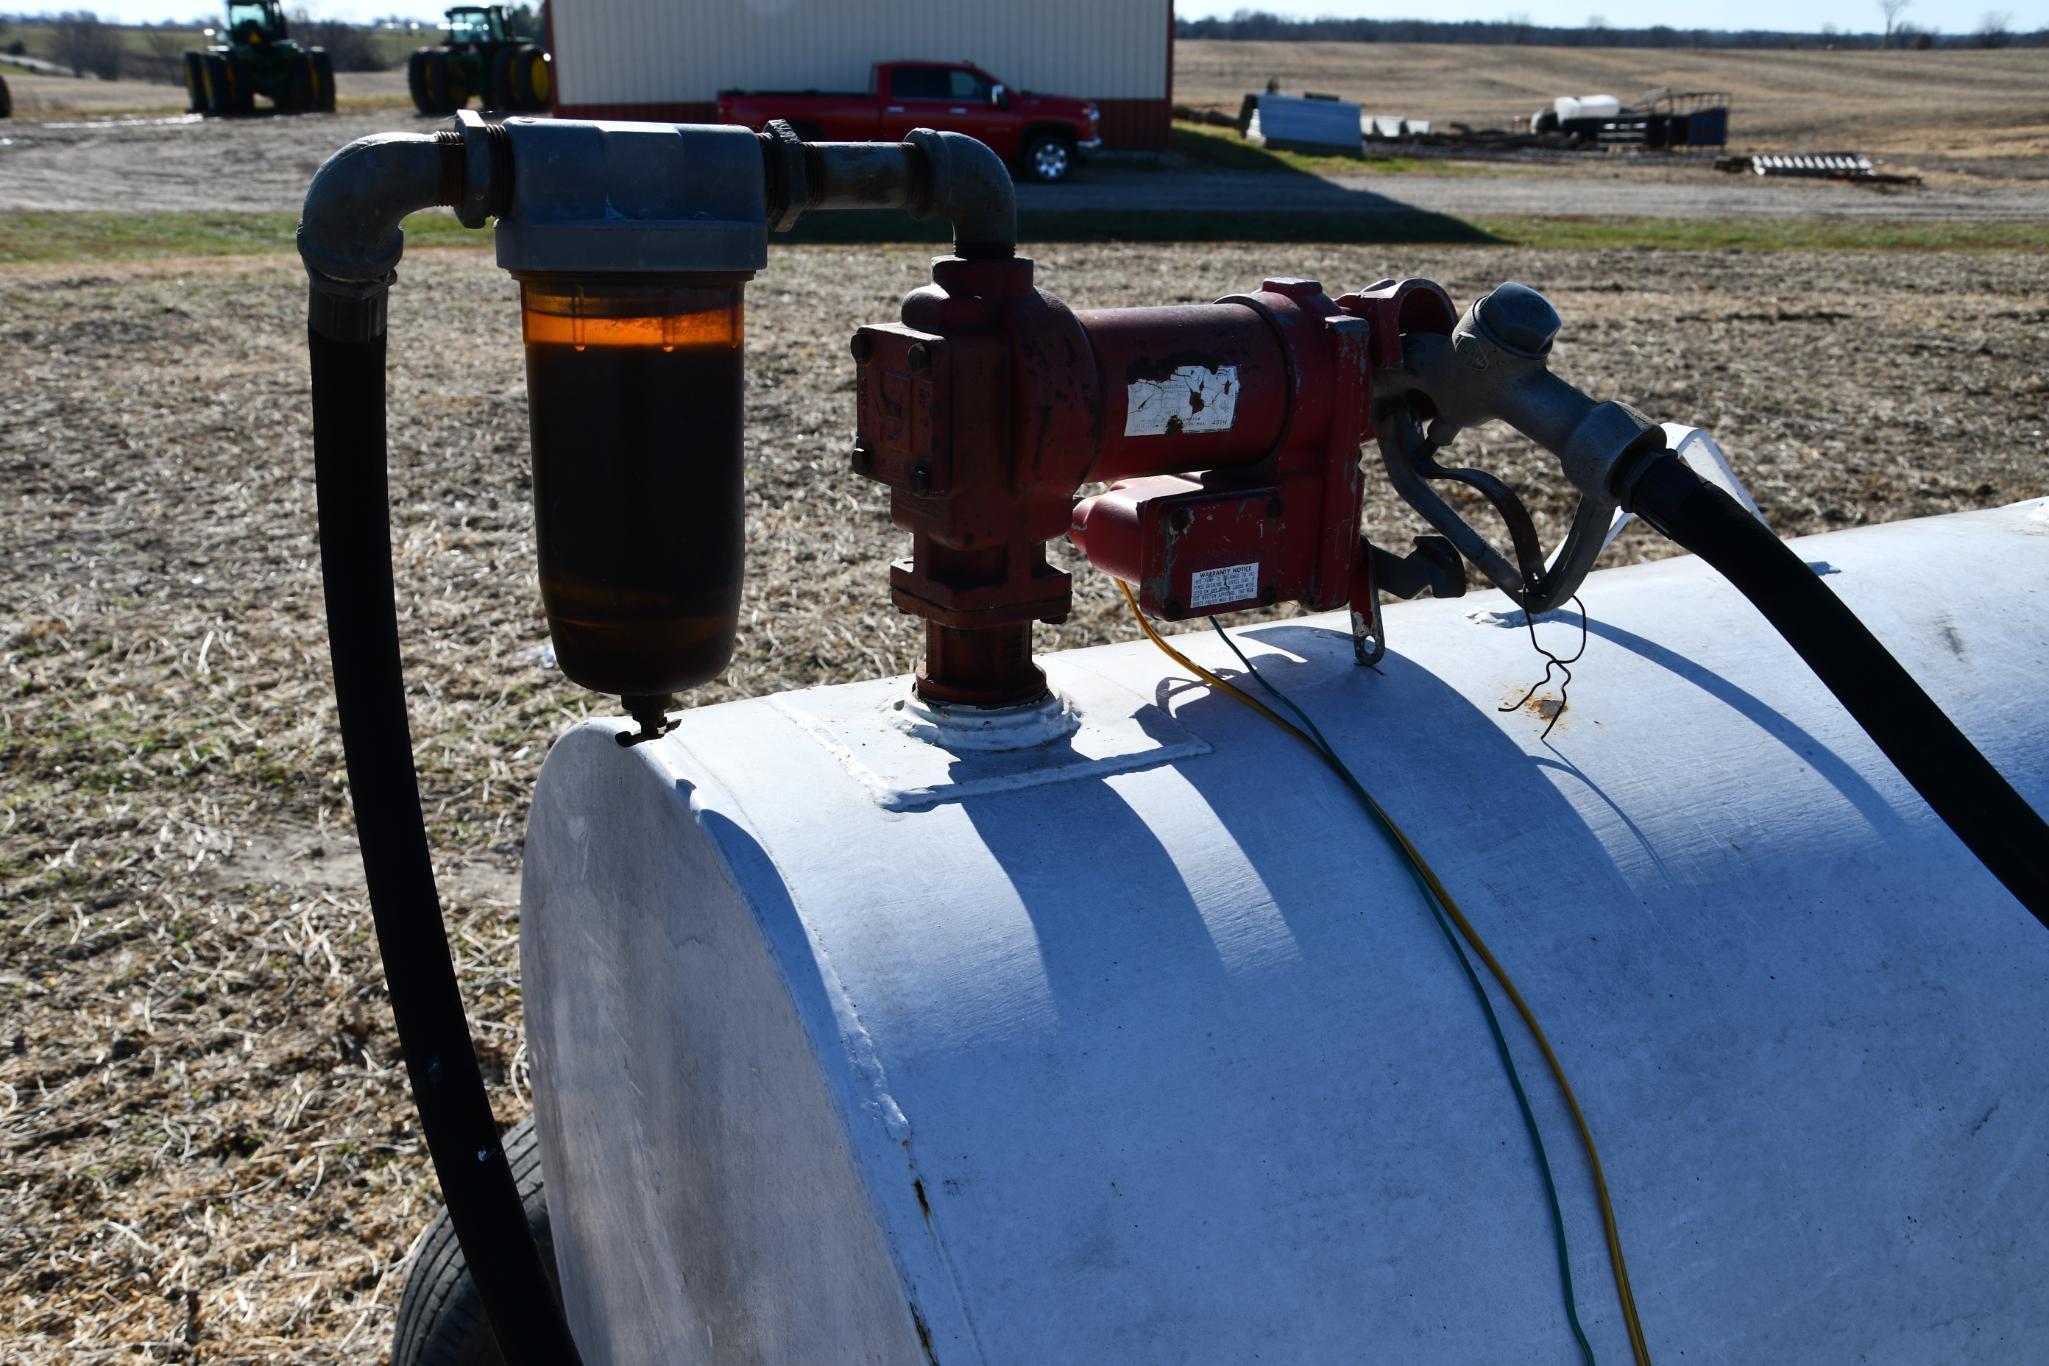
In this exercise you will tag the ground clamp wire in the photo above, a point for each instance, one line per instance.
(1444, 909)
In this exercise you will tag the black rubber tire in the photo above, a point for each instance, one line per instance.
(446, 79)
(242, 87)
(195, 83)
(6, 100)
(440, 1320)
(533, 80)
(301, 87)
(323, 75)
(221, 100)
(1044, 168)
(418, 77)
(499, 93)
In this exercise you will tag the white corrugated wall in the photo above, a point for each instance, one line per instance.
(611, 52)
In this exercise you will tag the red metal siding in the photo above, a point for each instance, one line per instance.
(1136, 123)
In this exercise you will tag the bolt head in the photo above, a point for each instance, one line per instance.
(919, 358)
(1289, 287)
(921, 477)
(863, 346)
(1519, 318)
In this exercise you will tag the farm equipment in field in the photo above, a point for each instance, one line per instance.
(257, 56)
(479, 56)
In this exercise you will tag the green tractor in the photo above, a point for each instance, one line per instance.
(256, 56)
(479, 56)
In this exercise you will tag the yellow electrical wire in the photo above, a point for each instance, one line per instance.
(1639, 1348)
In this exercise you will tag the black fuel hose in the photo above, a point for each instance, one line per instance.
(1958, 782)
(362, 627)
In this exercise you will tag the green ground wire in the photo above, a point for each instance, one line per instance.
(1515, 1081)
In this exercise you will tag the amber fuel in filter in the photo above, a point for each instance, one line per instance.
(634, 390)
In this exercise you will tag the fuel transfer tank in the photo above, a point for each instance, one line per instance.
(858, 1037)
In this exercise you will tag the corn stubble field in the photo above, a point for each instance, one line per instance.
(1972, 110)
(210, 1151)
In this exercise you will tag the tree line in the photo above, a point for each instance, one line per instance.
(1249, 25)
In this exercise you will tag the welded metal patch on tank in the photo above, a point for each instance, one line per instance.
(1191, 399)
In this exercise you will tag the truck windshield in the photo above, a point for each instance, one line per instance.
(938, 83)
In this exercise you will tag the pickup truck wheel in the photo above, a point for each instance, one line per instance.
(1048, 158)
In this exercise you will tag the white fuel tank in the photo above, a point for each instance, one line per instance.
(1138, 1044)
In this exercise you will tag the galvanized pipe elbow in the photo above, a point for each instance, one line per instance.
(349, 227)
(967, 184)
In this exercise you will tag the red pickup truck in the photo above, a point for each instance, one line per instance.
(1042, 134)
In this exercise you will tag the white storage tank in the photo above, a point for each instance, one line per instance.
(1140, 1046)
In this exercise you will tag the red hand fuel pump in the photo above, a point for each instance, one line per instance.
(1228, 435)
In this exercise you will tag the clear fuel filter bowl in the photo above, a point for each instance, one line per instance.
(634, 391)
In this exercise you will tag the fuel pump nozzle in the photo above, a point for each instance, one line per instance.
(1493, 365)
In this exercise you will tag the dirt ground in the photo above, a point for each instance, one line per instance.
(1975, 111)
(181, 162)
(210, 1151)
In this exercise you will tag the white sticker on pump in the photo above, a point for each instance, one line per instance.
(1191, 399)
(1232, 583)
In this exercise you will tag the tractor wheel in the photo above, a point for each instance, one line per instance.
(533, 79)
(440, 1320)
(242, 86)
(497, 90)
(323, 81)
(419, 80)
(223, 95)
(301, 86)
(450, 83)
(195, 83)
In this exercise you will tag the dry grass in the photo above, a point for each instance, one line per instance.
(1947, 107)
(210, 1152)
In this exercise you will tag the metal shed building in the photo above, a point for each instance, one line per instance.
(658, 59)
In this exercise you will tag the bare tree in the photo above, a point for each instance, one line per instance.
(351, 47)
(1892, 9)
(1992, 29)
(86, 45)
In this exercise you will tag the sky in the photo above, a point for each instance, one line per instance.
(1949, 16)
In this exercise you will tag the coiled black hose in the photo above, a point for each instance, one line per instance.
(1962, 786)
(369, 685)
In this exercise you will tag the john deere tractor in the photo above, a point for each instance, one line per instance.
(479, 56)
(256, 56)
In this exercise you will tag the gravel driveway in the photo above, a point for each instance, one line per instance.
(190, 163)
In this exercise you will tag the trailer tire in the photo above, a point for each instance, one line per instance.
(195, 83)
(440, 1319)
(1049, 157)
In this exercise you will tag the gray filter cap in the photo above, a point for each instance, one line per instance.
(625, 198)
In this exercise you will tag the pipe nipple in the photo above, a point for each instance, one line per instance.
(651, 715)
